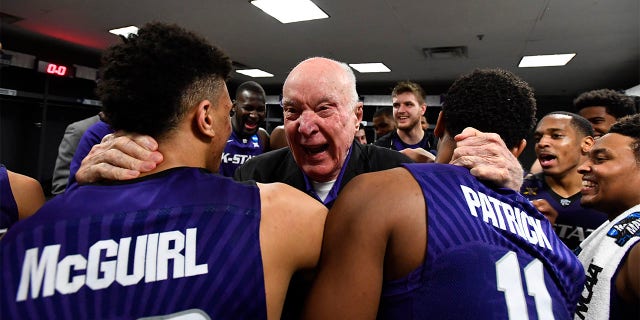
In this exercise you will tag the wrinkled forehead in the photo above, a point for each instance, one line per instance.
(314, 90)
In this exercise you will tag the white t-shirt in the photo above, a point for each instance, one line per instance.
(322, 188)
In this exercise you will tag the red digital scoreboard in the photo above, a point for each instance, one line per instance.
(53, 69)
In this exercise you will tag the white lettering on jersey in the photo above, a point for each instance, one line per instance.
(565, 231)
(108, 261)
(496, 213)
(235, 158)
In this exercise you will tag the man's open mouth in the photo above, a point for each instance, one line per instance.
(546, 159)
(317, 149)
(250, 126)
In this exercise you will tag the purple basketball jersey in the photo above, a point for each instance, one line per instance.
(237, 151)
(180, 242)
(490, 255)
(8, 206)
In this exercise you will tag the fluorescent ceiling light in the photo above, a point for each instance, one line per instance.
(287, 11)
(370, 67)
(255, 73)
(550, 60)
(125, 31)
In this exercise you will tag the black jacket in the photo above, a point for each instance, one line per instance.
(279, 166)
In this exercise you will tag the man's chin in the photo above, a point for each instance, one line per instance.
(315, 173)
(249, 133)
(588, 202)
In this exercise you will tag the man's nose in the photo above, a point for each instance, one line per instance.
(544, 141)
(308, 123)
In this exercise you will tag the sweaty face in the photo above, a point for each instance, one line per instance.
(600, 120)
(319, 121)
(383, 125)
(611, 175)
(558, 145)
(407, 111)
(250, 113)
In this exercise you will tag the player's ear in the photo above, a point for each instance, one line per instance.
(586, 144)
(438, 131)
(517, 150)
(203, 119)
(358, 111)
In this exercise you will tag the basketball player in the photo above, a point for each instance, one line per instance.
(247, 138)
(179, 241)
(611, 254)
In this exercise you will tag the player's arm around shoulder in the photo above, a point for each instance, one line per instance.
(359, 228)
(27, 192)
(628, 280)
(290, 238)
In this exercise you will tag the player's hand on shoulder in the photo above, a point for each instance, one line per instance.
(488, 158)
(119, 156)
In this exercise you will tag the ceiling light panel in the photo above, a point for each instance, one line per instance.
(255, 73)
(550, 60)
(370, 67)
(287, 11)
(125, 31)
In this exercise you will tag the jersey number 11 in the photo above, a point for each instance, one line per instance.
(510, 282)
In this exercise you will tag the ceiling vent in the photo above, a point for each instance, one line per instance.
(439, 53)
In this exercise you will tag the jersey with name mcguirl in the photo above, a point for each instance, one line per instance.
(490, 255)
(181, 242)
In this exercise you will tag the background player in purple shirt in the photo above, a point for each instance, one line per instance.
(247, 138)
(435, 242)
(179, 240)
(562, 142)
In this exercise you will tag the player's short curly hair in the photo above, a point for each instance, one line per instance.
(629, 126)
(491, 100)
(616, 104)
(152, 79)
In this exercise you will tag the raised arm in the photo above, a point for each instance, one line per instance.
(119, 156)
(488, 158)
